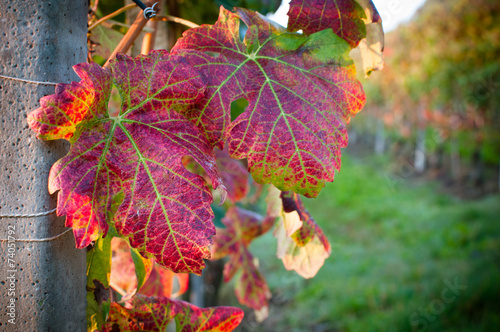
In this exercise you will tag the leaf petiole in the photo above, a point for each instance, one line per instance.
(113, 14)
(175, 19)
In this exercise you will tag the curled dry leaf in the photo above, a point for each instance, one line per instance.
(370, 49)
(302, 245)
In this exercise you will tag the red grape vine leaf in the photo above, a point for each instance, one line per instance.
(124, 166)
(129, 270)
(301, 91)
(302, 245)
(242, 227)
(344, 17)
(131, 275)
(183, 280)
(59, 114)
(155, 313)
(356, 21)
(234, 176)
(161, 283)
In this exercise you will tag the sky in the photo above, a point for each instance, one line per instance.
(393, 12)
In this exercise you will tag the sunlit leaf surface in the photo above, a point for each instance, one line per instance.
(301, 91)
(155, 313)
(124, 166)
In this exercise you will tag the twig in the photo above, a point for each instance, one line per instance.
(148, 41)
(96, 4)
(110, 24)
(176, 20)
(129, 38)
(113, 14)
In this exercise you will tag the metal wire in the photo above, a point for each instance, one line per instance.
(28, 215)
(39, 240)
(148, 12)
(27, 81)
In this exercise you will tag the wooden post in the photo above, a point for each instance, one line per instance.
(42, 284)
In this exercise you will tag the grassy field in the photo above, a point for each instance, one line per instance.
(405, 257)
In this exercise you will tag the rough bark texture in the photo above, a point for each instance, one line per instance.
(40, 41)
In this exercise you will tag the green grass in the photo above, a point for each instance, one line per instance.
(394, 247)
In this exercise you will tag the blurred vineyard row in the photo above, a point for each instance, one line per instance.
(435, 106)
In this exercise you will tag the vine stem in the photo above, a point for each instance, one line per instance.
(129, 38)
(111, 23)
(148, 41)
(176, 20)
(113, 14)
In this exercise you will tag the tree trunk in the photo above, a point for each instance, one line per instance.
(420, 152)
(173, 29)
(476, 175)
(43, 283)
(213, 275)
(499, 176)
(380, 137)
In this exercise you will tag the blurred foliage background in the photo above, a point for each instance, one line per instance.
(436, 103)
